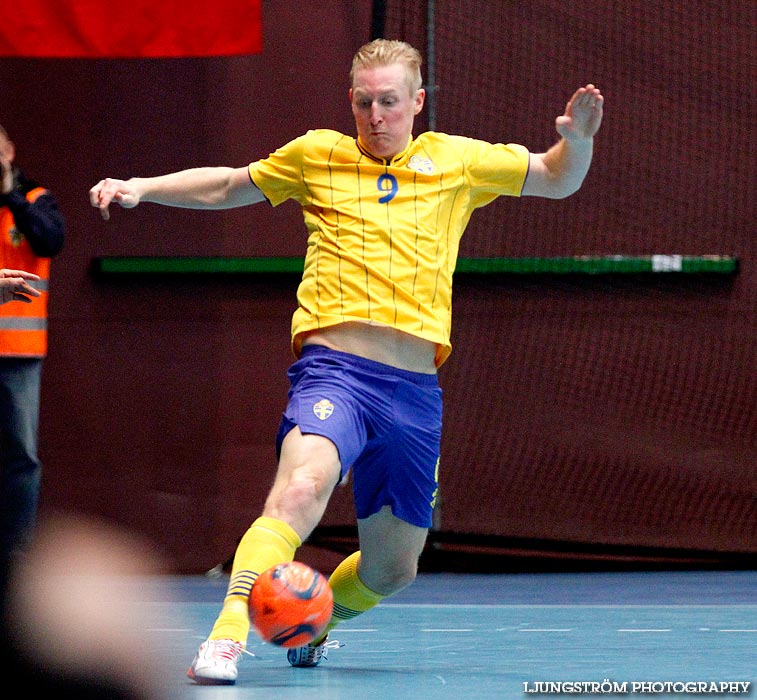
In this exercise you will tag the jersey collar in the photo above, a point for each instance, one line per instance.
(396, 160)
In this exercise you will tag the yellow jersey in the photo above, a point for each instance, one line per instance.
(383, 236)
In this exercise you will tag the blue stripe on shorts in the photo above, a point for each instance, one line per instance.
(385, 422)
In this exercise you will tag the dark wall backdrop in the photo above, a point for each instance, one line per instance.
(600, 418)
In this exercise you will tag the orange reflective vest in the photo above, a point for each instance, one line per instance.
(23, 327)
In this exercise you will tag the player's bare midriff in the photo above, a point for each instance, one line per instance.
(379, 343)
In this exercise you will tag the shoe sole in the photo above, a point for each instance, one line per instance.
(205, 680)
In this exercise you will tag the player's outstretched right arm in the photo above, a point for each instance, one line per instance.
(196, 188)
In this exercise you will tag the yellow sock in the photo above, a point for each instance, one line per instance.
(266, 543)
(351, 596)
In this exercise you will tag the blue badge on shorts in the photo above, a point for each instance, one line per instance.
(323, 409)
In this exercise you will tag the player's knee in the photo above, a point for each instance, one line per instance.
(306, 489)
(391, 577)
(403, 577)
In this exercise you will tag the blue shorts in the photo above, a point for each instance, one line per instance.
(386, 424)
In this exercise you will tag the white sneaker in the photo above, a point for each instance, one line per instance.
(216, 662)
(306, 656)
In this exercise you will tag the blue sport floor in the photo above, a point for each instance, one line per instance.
(503, 636)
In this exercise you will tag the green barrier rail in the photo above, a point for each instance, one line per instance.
(603, 265)
(587, 265)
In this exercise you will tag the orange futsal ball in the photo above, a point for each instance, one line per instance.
(290, 604)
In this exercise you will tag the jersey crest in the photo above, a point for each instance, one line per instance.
(421, 165)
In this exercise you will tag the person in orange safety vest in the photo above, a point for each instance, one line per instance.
(32, 230)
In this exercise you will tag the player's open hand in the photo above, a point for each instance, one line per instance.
(110, 190)
(583, 114)
(14, 286)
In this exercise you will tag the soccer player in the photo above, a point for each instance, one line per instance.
(384, 214)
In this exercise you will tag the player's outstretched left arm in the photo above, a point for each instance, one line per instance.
(583, 114)
(561, 170)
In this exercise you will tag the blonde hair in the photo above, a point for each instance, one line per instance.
(387, 52)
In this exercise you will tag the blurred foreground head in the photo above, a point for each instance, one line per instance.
(74, 627)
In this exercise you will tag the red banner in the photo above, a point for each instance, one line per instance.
(134, 29)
